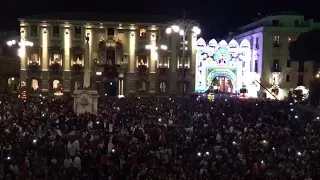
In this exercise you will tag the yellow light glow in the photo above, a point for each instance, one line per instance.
(132, 47)
(44, 49)
(67, 50)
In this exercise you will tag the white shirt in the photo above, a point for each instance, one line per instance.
(67, 163)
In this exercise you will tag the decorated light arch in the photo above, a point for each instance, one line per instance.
(231, 60)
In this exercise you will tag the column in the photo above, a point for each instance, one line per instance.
(67, 58)
(44, 58)
(193, 61)
(22, 54)
(120, 85)
(173, 66)
(132, 51)
(130, 79)
(88, 56)
(44, 40)
(153, 62)
(153, 52)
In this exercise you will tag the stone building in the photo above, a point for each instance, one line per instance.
(119, 58)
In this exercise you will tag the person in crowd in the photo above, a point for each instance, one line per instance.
(158, 139)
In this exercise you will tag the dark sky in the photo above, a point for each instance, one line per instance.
(216, 17)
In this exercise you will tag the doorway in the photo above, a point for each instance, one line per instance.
(110, 88)
(223, 84)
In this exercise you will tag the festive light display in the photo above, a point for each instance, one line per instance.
(225, 64)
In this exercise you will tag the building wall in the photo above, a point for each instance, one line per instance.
(45, 40)
(274, 34)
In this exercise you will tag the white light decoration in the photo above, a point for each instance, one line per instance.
(175, 28)
(196, 30)
(163, 47)
(215, 60)
(181, 32)
(168, 30)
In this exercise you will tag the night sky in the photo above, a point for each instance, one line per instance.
(217, 18)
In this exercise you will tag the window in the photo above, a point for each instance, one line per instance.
(301, 66)
(256, 66)
(78, 59)
(34, 58)
(142, 87)
(143, 33)
(56, 59)
(276, 41)
(142, 61)
(77, 32)
(288, 63)
(163, 87)
(34, 84)
(55, 84)
(257, 43)
(110, 31)
(300, 80)
(296, 22)
(287, 78)
(275, 22)
(276, 65)
(164, 62)
(56, 31)
(33, 30)
(289, 39)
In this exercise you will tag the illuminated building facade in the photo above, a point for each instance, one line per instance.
(127, 55)
(269, 38)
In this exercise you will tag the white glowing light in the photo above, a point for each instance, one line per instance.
(207, 153)
(196, 30)
(159, 119)
(299, 153)
(291, 109)
(168, 30)
(199, 153)
(163, 47)
(98, 73)
(181, 32)
(175, 28)
(296, 117)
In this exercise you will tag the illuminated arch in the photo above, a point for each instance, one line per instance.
(245, 44)
(201, 43)
(233, 44)
(224, 72)
(213, 43)
(223, 43)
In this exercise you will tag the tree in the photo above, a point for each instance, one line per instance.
(307, 48)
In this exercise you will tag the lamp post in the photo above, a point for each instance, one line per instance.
(182, 27)
(21, 45)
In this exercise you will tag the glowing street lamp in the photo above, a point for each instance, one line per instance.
(21, 44)
(155, 48)
(182, 27)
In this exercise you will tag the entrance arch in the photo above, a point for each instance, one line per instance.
(227, 78)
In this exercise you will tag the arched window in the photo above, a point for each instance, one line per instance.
(142, 86)
(34, 84)
(163, 87)
(55, 84)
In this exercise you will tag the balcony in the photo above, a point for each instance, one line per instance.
(183, 74)
(56, 68)
(77, 69)
(34, 69)
(142, 70)
(163, 72)
(110, 71)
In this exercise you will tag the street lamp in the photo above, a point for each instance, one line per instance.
(183, 26)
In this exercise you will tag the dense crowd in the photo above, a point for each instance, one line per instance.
(157, 139)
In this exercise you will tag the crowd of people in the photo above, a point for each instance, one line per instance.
(157, 139)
